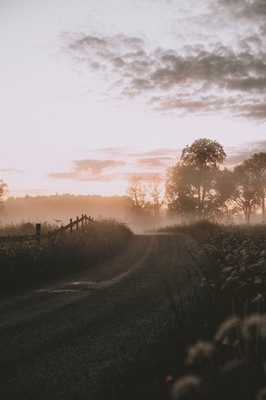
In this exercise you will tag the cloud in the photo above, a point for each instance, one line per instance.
(90, 170)
(146, 164)
(236, 155)
(153, 163)
(13, 171)
(223, 70)
(123, 164)
(246, 8)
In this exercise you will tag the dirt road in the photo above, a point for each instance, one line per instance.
(67, 341)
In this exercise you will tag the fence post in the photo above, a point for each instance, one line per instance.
(71, 226)
(62, 230)
(82, 221)
(38, 232)
(77, 222)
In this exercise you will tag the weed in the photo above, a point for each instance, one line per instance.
(25, 263)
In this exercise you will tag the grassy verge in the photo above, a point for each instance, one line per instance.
(216, 349)
(25, 263)
(229, 362)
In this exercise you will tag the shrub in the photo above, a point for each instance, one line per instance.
(25, 263)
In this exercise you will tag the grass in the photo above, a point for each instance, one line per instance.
(217, 350)
(26, 263)
(228, 361)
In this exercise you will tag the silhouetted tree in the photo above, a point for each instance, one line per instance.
(224, 190)
(190, 187)
(245, 196)
(179, 193)
(257, 169)
(3, 190)
(137, 191)
(155, 192)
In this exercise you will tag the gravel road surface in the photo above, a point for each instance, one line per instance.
(68, 340)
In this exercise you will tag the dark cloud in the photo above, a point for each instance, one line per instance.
(209, 77)
(246, 8)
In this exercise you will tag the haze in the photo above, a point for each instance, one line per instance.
(94, 92)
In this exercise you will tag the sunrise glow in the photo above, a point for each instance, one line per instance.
(94, 92)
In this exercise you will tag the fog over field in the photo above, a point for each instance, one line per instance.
(58, 209)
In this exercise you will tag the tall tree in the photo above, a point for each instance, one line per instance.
(257, 168)
(245, 195)
(155, 192)
(137, 191)
(224, 190)
(191, 182)
(3, 190)
(179, 193)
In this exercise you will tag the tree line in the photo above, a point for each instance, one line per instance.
(197, 187)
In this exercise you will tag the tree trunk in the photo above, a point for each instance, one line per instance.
(263, 207)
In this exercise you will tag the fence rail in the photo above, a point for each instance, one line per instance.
(83, 221)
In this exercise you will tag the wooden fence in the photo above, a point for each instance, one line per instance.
(77, 223)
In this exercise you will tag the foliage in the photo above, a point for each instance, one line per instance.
(244, 194)
(3, 190)
(25, 263)
(231, 363)
(230, 366)
(197, 187)
(191, 184)
(252, 187)
(258, 164)
(24, 228)
(203, 155)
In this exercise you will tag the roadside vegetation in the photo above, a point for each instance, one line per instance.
(228, 359)
(26, 263)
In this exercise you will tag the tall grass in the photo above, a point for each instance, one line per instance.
(25, 263)
(231, 363)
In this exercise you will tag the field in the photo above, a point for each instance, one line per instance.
(228, 358)
(217, 352)
(27, 263)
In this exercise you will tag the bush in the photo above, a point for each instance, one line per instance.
(25, 263)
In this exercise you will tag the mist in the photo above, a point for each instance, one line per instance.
(58, 209)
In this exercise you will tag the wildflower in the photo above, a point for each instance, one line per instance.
(228, 340)
(200, 357)
(187, 388)
(254, 334)
(262, 394)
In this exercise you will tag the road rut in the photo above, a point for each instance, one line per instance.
(69, 339)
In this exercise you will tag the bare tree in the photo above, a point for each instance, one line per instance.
(155, 192)
(3, 190)
(137, 191)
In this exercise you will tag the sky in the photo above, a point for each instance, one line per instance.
(93, 92)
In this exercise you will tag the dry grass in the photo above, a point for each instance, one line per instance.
(230, 364)
(25, 263)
